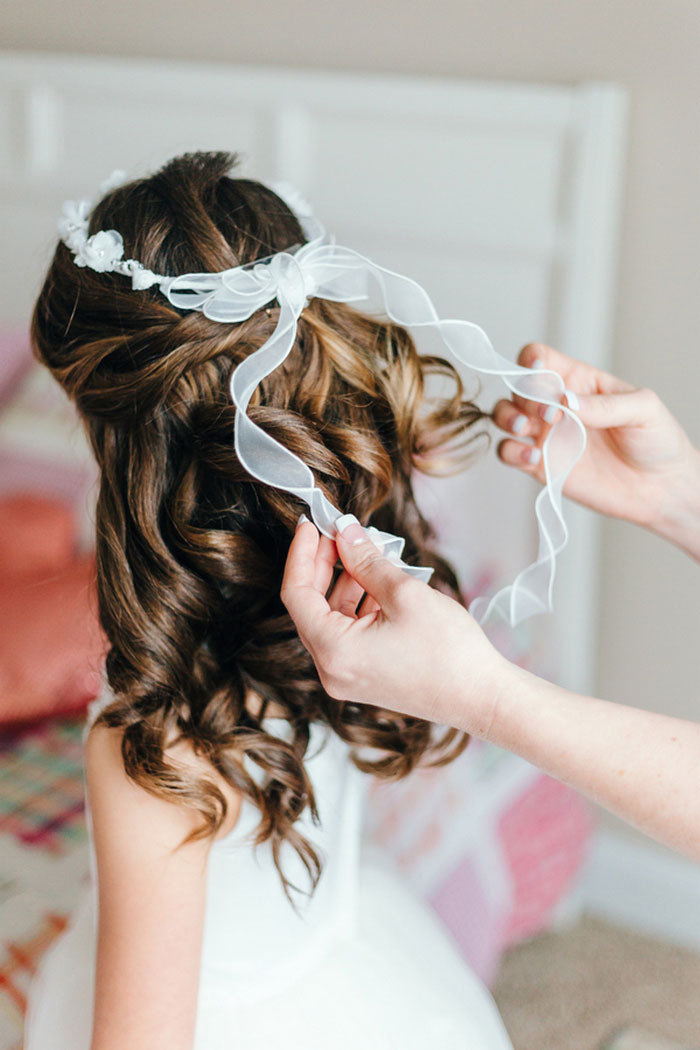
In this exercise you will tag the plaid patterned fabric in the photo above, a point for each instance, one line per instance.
(41, 785)
(19, 962)
(43, 854)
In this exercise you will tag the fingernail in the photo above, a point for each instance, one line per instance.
(519, 424)
(550, 414)
(345, 521)
(537, 363)
(573, 400)
(534, 455)
(302, 519)
(350, 529)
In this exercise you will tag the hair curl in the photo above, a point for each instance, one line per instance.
(190, 548)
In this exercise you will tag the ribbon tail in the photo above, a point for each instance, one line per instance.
(408, 304)
(261, 455)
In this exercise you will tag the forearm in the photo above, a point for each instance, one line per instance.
(677, 517)
(642, 766)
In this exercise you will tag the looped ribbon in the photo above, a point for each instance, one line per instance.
(330, 271)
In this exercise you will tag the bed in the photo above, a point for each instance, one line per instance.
(494, 845)
(503, 199)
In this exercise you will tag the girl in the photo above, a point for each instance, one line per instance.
(230, 908)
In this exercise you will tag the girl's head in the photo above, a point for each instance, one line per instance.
(190, 548)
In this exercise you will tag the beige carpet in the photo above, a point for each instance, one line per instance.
(576, 990)
(640, 1039)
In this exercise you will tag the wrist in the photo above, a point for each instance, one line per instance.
(534, 718)
(478, 692)
(510, 704)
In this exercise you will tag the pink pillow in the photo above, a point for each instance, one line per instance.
(37, 534)
(51, 647)
(15, 359)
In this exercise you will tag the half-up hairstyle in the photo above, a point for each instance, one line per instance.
(190, 548)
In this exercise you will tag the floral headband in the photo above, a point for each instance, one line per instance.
(322, 269)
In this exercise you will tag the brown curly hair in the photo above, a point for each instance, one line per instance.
(190, 548)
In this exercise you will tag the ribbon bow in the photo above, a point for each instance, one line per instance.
(327, 270)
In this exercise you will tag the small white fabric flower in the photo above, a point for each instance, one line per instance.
(141, 278)
(73, 223)
(101, 251)
(75, 213)
(113, 181)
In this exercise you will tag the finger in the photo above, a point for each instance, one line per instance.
(581, 377)
(324, 564)
(509, 415)
(537, 356)
(627, 409)
(368, 566)
(538, 414)
(368, 607)
(304, 601)
(346, 595)
(524, 457)
(300, 568)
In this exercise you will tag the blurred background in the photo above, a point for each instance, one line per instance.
(535, 165)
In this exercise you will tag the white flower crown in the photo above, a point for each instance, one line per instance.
(104, 251)
(321, 268)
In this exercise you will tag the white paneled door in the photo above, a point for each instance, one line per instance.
(502, 199)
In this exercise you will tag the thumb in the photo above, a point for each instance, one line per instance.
(367, 565)
(629, 408)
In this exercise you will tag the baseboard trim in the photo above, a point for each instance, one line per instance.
(642, 887)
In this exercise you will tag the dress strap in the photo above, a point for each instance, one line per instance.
(103, 699)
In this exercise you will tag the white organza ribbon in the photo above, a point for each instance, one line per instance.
(326, 270)
(323, 269)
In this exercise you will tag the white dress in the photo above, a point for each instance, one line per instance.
(364, 966)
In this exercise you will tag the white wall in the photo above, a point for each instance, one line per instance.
(650, 610)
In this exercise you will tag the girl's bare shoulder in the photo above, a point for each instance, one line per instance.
(122, 805)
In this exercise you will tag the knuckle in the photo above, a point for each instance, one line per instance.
(649, 396)
(407, 593)
(601, 405)
(531, 351)
(368, 558)
(348, 607)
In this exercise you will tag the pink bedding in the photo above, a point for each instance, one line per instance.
(51, 648)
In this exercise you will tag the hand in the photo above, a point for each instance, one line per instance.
(638, 461)
(409, 648)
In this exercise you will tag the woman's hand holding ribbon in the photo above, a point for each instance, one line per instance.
(408, 647)
(411, 649)
(638, 463)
